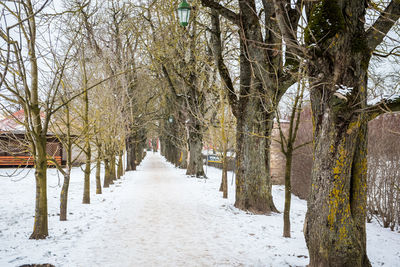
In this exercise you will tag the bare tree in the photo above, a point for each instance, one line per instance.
(383, 198)
(264, 78)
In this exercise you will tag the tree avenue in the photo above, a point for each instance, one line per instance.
(122, 78)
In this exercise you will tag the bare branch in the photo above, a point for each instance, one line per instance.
(383, 24)
(223, 11)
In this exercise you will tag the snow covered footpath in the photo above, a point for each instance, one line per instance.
(157, 216)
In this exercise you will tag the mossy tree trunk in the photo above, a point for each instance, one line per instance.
(340, 51)
(335, 220)
(183, 159)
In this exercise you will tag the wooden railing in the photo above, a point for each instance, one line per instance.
(23, 161)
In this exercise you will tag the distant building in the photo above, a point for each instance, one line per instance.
(278, 160)
(14, 146)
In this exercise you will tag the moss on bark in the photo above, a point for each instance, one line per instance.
(326, 20)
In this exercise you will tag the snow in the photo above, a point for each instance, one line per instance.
(343, 89)
(386, 97)
(392, 98)
(157, 216)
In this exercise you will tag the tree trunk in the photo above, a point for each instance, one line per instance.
(183, 163)
(86, 123)
(253, 180)
(130, 154)
(67, 172)
(154, 144)
(86, 188)
(335, 229)
(171, 151)
(112, 169)
(98, 180)
(224, 182)
(106, 173)
(35, 133)
(195, 166)
(335, 220)
(224, 140)
(139, 153)
(120, 169)
(40, 227)
(64, 197)
(288, 193)
(162, 146)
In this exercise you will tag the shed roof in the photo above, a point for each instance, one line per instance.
(14, 123)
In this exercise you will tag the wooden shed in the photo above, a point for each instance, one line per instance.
(14, 146)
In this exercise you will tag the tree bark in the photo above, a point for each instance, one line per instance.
(154, 144)
(106, 173)
(195, 166)
(67, 173)
(36, 134)
(224, 181)
(112, 169)
(183, 163)
(139, 152)
(98, 180)
(40, 227)
(253, 181)
(86, 187)
(130, 154)
(86, 122)
(64, 196)
(120, 168)
(335, 220)
(288, 193)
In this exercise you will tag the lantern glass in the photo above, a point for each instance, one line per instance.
(184, 13)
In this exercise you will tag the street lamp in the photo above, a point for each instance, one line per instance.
(184, 13)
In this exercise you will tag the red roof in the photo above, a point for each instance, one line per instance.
(14, 122)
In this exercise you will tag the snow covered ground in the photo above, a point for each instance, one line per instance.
(157, 216)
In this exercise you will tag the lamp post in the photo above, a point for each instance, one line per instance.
(184, 13)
